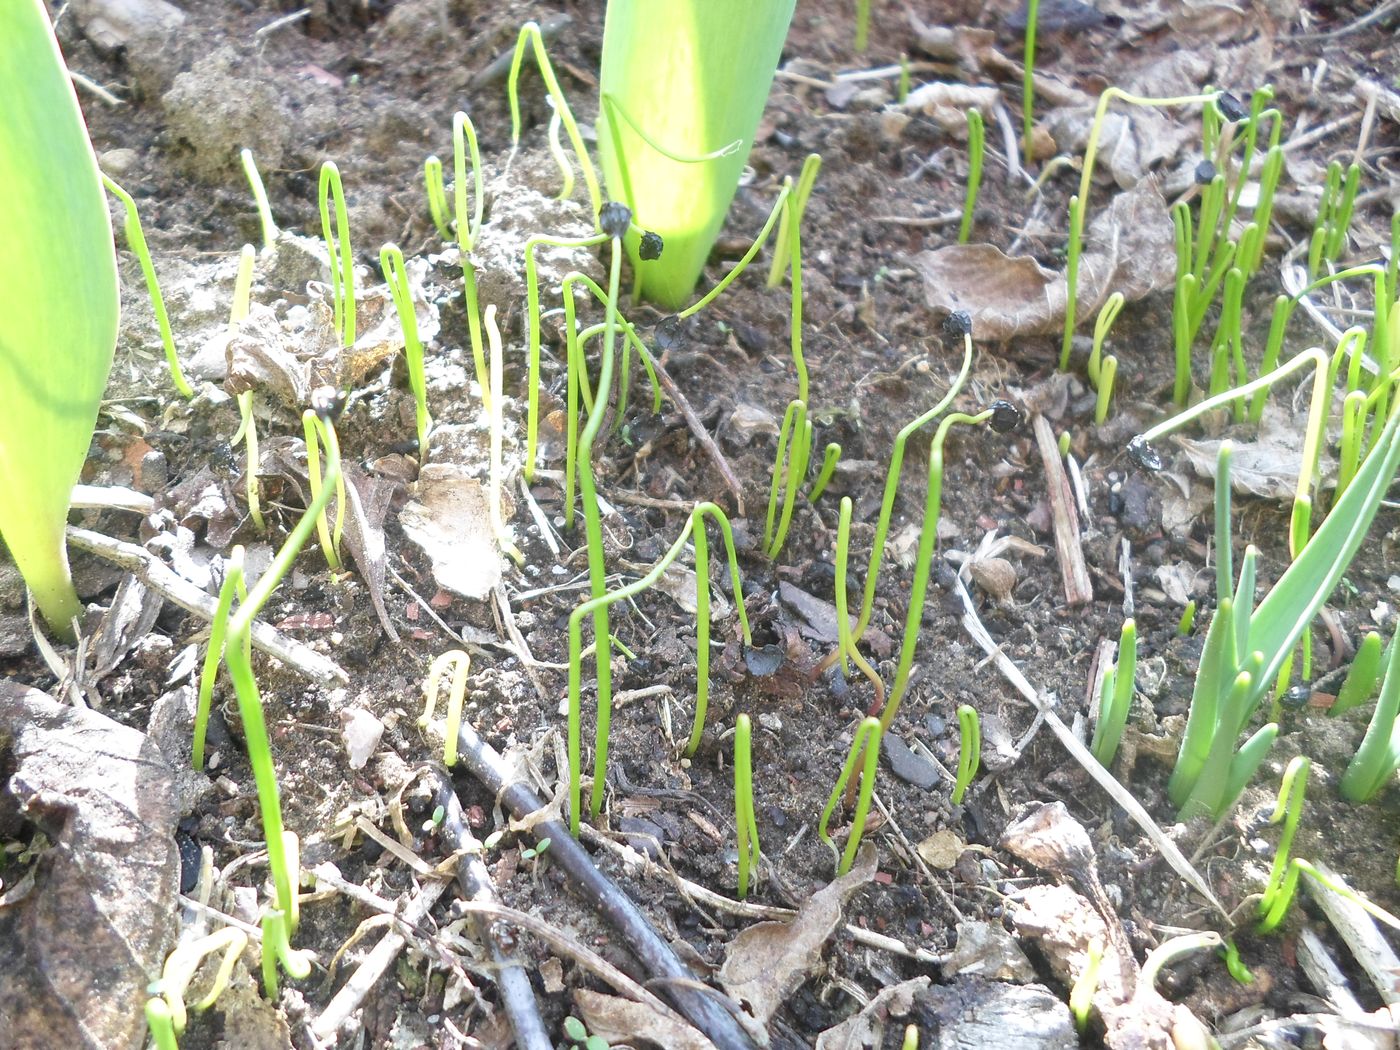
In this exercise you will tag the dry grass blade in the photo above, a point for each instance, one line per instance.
(1069, 546)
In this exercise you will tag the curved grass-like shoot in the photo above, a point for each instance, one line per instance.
(247, 399)
(1188, 619)
(846, 646)
(1378, 757)
(459, 663)
(1116, 697)
(233, 583)
(1170, 950)
(468, 225)
(1081, 995)
(556, 150)
(1103, 324)
(312, 425)
(434, 190)
(530, 34)
(255, 184)
(969, 750)
(867, 742)
(1028, 79)
(745, 824)
(1362, 676)
(136, 241)
(702, 609)
(597, 606)
(161, 1024)
(976, 149)
(830, 458)
(1107, 373)
(342, 259)
(182, 964)
(793, 211)
(277, 951)
(391, 263)
(1283, 877)
(789, 471)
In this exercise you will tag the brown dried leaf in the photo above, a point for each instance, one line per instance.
(77, 953)
(451, 521)
(1129, 248)
(368, 500)
(621, 1020)
(767, 962)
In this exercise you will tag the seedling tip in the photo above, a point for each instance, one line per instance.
(614, 219)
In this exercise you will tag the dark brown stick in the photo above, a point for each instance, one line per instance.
(701, 434)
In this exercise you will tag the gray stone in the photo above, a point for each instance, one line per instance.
(908, 766)
(976, 1012)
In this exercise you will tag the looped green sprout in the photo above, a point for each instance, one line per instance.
(259, 191)
(460, 663)
(969, 750)
(867, 742)
(167, 1014)
(247, 399)
(437, 197)
(745, 824)
(1283, 877)
(1116, 697)
(391, 262)
(342, 259)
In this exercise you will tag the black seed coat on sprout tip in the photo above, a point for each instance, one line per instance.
(668, 332)
(1144, 455)
(328, 402)
(1230, 107)
(651, 246)
(958, 323)
(1205, 173)
(614, 219)
(1006, 417)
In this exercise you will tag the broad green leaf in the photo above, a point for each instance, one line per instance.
(58, 302)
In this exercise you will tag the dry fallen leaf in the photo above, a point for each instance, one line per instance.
(768, 961)
(451, 521)
(77, 953)
(621, 1020)
(867, 1028)
(1129, 248)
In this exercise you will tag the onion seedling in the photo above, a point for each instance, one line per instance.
(468, 227)
(673, 147)
(1333, 216)
(247, 421)
(1378, 757)
(846, 646)
(437, 197)
(976, 148)
(277, 950)
(496, 427)
(969, 750)
(180, 968)
(1081, 995)
(342, 260)
(1362, 676)
(745, 824)
(867, 742)
(1283, 877)
(1188, 619)
(792, 212)
(259, 191)
(598, 605)
(911, 1038)
(830, 458)
(58, 305)
(1116, 697)
(1101, 369)
(460, 664)
(1028, 78)
(862, 25)
(391, 262)
(136, 241)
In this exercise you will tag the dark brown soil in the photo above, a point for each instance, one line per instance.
(373, 86)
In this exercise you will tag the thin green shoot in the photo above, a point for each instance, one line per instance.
(1224, 555)
(233, 582)
(862, 25)
(183, 963)
(162, 1027)
(911, 1038)
(1283, 877)
(867, 742)
(391, 263)
(775, 215)
(1171, 950)
(1103, 324)
(1028, 81)
(1104, 396)
(437, 197)
(1116, 697)
(702, 610)
(1378, 757)
(1188, 619)
(460, 664)
(1079, 204)
(976, 150)
(247, 399)
(789, 471)
(830, 458)
(330, 542)
(1234, 965)
(969, 750)
(277, 951)
(556, 150)
(530, 34)
(603, 646)
(255, 184)
(902, 89)
(793, 211)
(1081, 995)
(1362, 676)
(846, 646)
(497, 434)
(745, 824)
(136, 240)
(342, 260)
(464, 144)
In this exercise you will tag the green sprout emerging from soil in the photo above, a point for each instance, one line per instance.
(865, 742)
(976, 148)
(969, 750)
(1116, 697)
(745, 823)
(459, 663)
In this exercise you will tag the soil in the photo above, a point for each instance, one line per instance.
(372, 85)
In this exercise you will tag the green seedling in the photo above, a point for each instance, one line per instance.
(437, 197)
(1102, 370)
(1188, 619)
(1378, 757)
(464, 146)
(793, 211)
(337, 234)
(391, 262)
(247, 406)
(673, 147)
(1116, 697)
(233, 584)
(1333, 216)
(1028, 79)
(902, 88)
(58, 305)
(866, 742)
(180, 967)
(259, 191)
(976, 149)
(537, 850)
(460, 664)
(1079, 204)
(911, 1038)
(745, 823)
(496, 424)
(531, 36)
(1170, 951)
(312, 426)
(830, 459)
(862, 25)
(136, 241)
(846, 646)
(1283, 876)
(599, 603)
(1081, 996)
(969, 750)
(1234, 965)
(576, 1031)
(277, 951)
(161, 1024)
(1362, 676)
